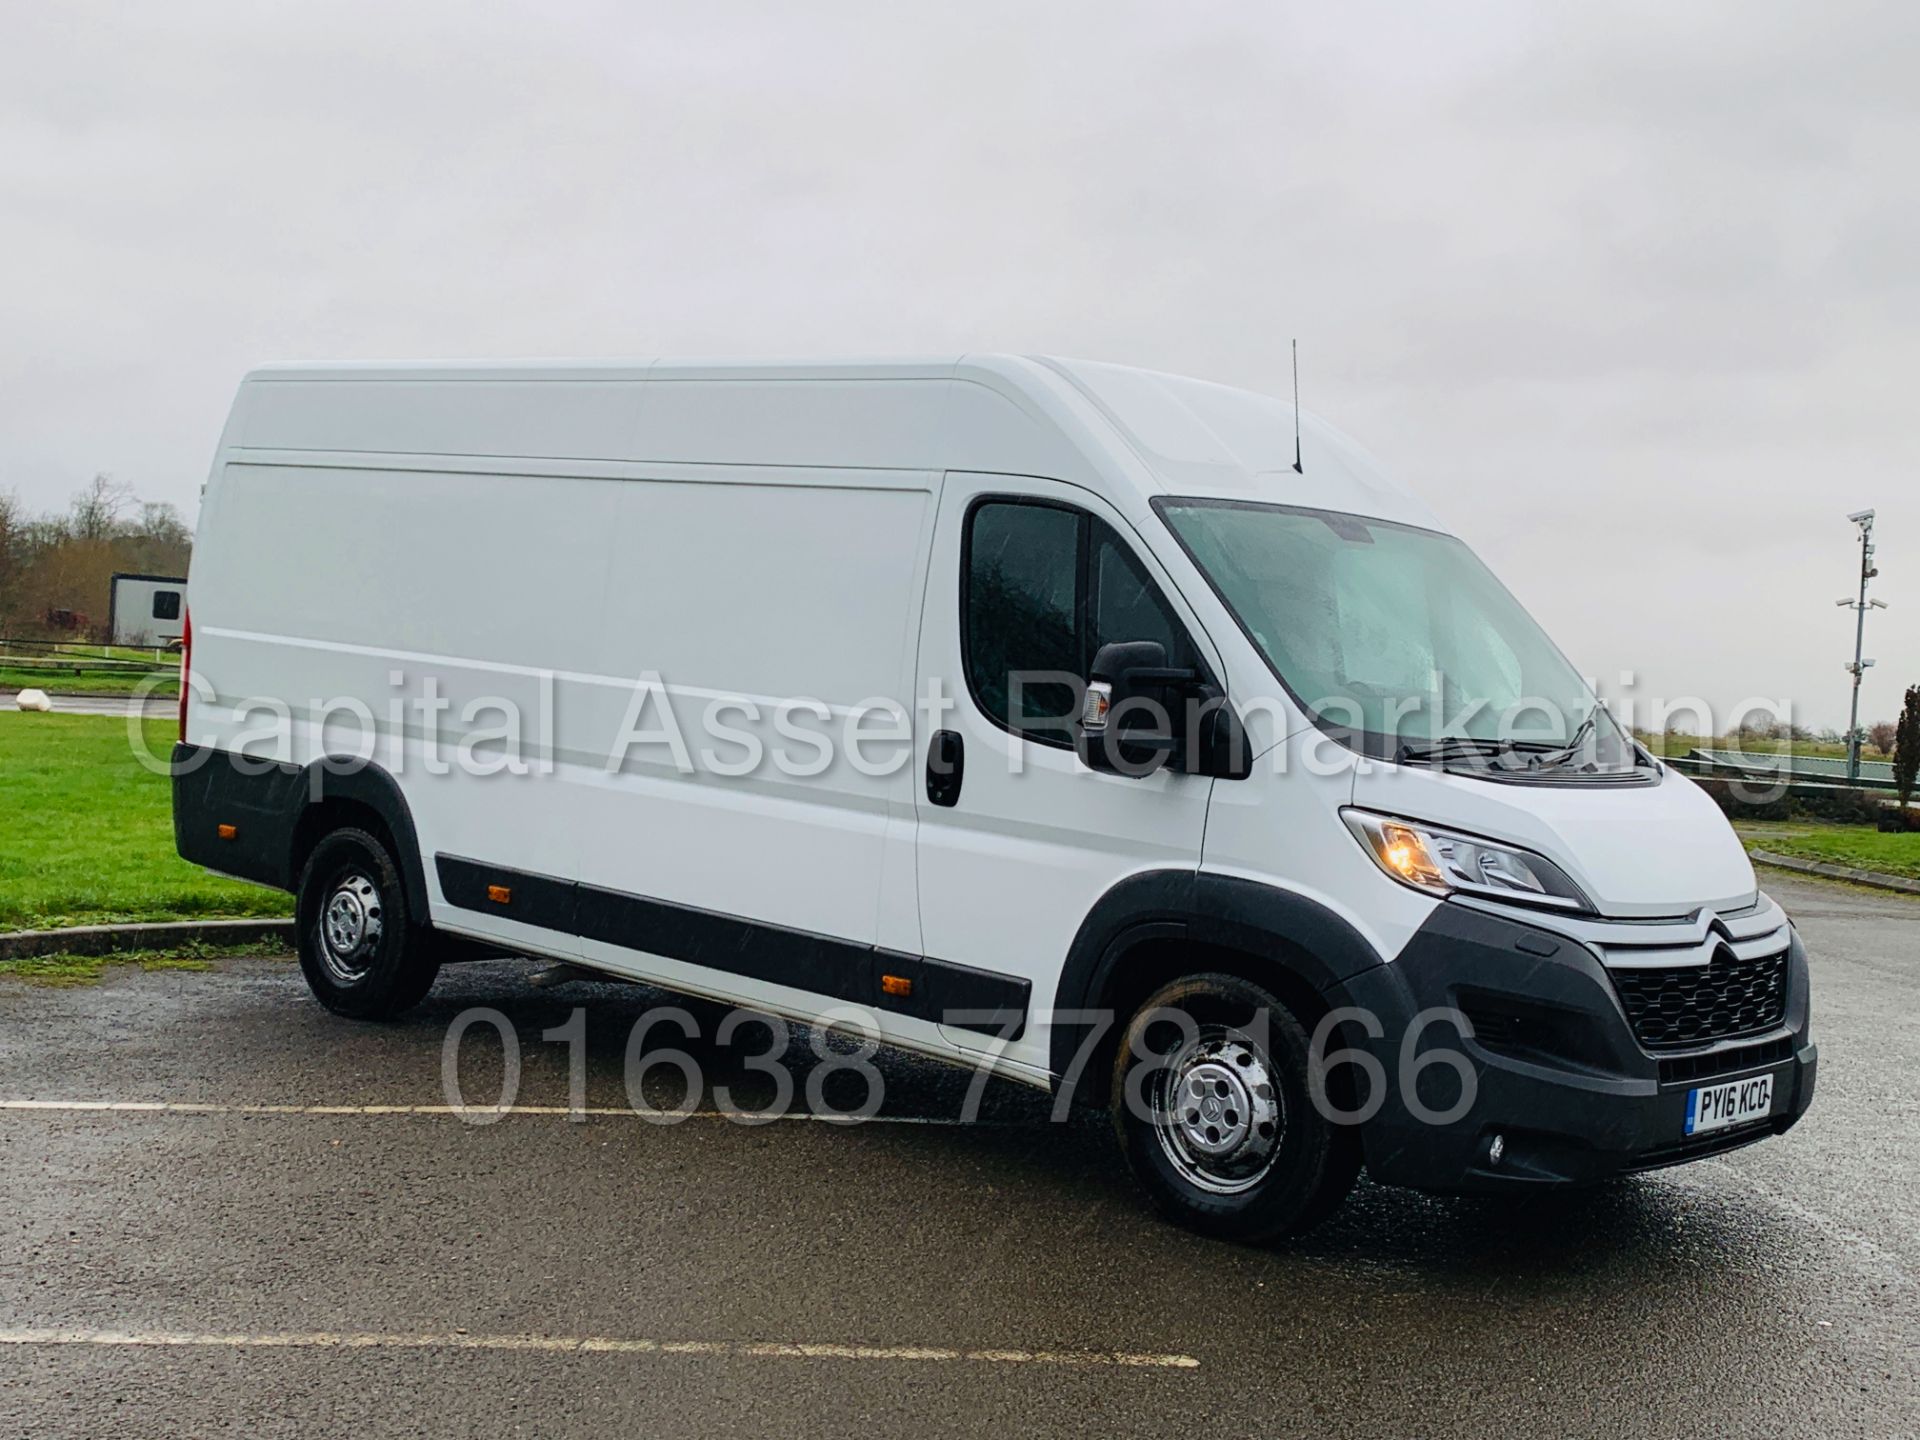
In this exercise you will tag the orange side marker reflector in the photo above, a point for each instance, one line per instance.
(500, 894)
(228, 832)
(895, 985)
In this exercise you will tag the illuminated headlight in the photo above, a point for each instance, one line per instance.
(1442, 863)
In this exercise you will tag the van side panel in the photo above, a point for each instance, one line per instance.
(498, 569)
(457, 603)
(434, 610)
(776, 605)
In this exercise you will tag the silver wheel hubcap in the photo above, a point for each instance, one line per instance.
(350, 926)
(1219, 1117)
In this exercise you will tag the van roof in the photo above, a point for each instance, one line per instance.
(1130, 433)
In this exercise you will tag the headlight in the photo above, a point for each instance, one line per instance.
(1442, 863)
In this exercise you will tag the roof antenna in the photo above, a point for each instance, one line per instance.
(1297, 467)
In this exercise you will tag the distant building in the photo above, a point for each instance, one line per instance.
(147, 609)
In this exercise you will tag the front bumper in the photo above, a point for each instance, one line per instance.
(1557, 1073)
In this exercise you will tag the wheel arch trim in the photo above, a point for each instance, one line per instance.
(1291, 931)
(368, 784)
(242, 814)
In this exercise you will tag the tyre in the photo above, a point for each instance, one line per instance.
(360, 949)
(1212, 1109)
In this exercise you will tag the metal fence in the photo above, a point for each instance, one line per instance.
(54, 659)
(1874, 774)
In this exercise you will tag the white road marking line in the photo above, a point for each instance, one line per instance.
(587, 1344)
(195, 1107)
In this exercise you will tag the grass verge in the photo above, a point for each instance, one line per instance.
(86, 832)
(1860, 846)
(58, 680)
(69, 970)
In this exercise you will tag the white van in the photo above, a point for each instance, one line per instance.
(1096, 726)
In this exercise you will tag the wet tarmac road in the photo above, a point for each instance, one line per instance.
(399, 1273)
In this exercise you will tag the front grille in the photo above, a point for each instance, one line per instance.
(1678, 1068)
(1698, 1004)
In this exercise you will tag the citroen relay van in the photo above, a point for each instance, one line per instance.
(1126, 736)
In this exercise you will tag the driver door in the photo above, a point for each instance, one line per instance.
(1019, 840)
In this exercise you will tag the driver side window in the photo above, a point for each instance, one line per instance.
(1127, 605)
(1044, 586)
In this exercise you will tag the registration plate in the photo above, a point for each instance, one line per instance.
(1714, 1107)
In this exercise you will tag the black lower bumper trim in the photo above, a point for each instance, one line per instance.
(255, 801)
(1560, 1082)
(1699, 1147)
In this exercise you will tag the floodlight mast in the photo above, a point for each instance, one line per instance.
(1863, 519)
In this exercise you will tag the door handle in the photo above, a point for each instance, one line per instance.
(946, 767)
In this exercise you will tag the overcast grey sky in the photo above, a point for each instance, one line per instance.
(1630, 293)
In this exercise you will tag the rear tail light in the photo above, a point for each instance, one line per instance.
(186, 667)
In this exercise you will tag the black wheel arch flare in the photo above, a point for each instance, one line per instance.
(1290, 931)
(265, 802)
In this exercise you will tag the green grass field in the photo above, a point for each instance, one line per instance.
(73, 652)
(86, 834)
(58, 681)
(87, 670)
(1860, 846)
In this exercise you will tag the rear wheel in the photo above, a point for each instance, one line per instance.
(362, 951)
(1211, 1105)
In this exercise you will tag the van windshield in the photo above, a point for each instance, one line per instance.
(1397, 639)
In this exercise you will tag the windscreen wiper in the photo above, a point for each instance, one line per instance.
(1454, 747)
(1566, 754)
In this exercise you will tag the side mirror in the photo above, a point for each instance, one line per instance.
(1141, 713)
(1127, 724)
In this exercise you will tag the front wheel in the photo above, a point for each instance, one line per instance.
(361, 951)
(1212, 1108)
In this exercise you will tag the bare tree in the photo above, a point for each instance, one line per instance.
(97, 509)
(12, 554)
(1882, 736)
(161, 524)
(158, 542)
